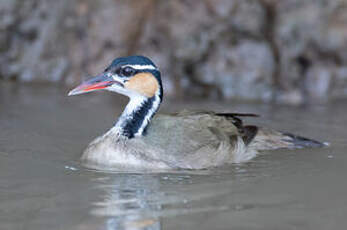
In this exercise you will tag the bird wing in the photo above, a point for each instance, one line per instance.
(247, 132)
(193, 139)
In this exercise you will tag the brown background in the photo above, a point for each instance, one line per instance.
(288, 51)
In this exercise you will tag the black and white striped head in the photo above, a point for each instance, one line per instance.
(136, 77)
(133, 76)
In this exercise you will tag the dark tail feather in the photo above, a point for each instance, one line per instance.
(303, 142)
(268, 139)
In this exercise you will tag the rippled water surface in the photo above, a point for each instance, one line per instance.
(42, 185)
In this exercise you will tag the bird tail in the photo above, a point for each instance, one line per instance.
(269, 139)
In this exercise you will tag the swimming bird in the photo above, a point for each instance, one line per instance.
(185, 140)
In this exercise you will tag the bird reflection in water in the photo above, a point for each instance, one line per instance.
(140, 201)
(129, 201)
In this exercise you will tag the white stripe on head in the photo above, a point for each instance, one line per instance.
(142, 67)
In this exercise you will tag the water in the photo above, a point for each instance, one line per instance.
(42, 185)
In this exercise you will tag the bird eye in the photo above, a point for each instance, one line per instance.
(128, 71)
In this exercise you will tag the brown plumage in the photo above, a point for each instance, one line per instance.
(187, 140)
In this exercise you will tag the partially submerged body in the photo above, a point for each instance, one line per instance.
(188, 140)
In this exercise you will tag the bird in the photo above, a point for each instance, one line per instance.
(192, 140)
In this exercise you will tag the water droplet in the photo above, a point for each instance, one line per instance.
(70, 168)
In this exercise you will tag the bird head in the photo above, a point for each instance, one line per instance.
(133, 76)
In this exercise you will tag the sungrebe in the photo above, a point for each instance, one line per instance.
(186, 140)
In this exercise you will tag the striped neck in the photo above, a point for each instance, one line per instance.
(137, 115)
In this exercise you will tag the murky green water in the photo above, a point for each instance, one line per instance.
(42, 186)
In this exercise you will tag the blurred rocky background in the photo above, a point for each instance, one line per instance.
(288, 51)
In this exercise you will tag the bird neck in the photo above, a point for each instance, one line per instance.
(137, 116)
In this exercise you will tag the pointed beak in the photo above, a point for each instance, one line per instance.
(99, 82)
